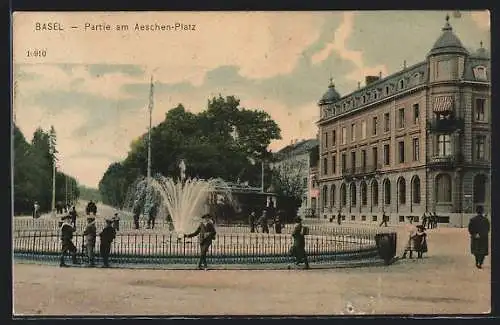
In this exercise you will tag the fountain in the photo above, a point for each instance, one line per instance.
(184, 200)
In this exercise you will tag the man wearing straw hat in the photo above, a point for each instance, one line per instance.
(90, 234)
(206, 233)
(67, 241)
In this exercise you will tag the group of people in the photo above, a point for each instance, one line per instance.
(107, 235)
(264, 220)
(91, 208)
(430, 220)
(151, 216)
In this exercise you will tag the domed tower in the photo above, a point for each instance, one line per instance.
(327, 101)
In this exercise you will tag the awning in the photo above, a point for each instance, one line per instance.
(443, 104)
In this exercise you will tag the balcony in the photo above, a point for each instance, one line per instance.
(367, 170)
(446, 162)
(445, 125)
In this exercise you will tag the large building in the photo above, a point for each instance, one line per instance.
(293, 162)
(415, 141)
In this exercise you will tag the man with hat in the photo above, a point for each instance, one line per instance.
(90, 234)
(206, 233)
(107, 235)
(66, 241)
(116, 222)
(298, 249)
(479, 228)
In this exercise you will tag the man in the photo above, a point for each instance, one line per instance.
(385, 219)
(93, 209)
(479, 228)
(36, 210)
(277, 222)
(263, 222)
(425, 220)
(137, 213)
(108, 234)
(90, 234)
(67, 241)
(73, 216)
(251, 221)
(339, 218)
(298, 249)
(116, 222)
(206, 234)
(152, 216)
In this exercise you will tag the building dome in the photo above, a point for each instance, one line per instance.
(448, 42)
(481, 53)
(331, 95)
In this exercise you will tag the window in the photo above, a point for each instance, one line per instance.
(480, 147)
(375, 156)
(344, 162)
(375, 94)
(325, 136)
(363, 159)
(332, 195)
(402, 190)
(401, 119)
(343, 195)
(401, 145)
(386, 154)
(387, 122)
(401, 84)
(334, 138)
(415, 190)
(479, 189)
(374, 125)
(325, 196)
(416, 149)
(363, 130)
(325, 166)
(344, 136)
(364, 196)
(353, 160)
(443, 69)
(416, 113)
(334, 164)
(480, 109)
(353, 194)
(480, 73)
(444, 145)
(443, 188)
(375, 193)
(353, 132)
(387, 192)
(386, 90)
(304, 182)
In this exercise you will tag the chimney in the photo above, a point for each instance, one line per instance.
(371, 79)
(380, 75)
(404, 64)
(359, 84)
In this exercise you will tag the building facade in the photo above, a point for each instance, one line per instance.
(413, 142)
(293, 164)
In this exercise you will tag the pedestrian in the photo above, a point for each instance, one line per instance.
(339, 218)
(90, 234)
(385, 219)
(420, 241)
(137, 213)
(36, 210)
(73, 216)
(206, 234)
(277, 222)
(67, 241)
(88, 208)
(479, 228)
(298, 249)
(116, 222)
(410, 247)
(94, 208)
(251, 221)
(152, 216)
(424, 220)
(107, 235)
(263, 221)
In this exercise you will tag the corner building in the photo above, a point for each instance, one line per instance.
(415, 141)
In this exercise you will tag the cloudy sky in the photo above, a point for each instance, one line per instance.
(93, 85)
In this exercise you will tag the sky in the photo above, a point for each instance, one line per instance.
(93, 85)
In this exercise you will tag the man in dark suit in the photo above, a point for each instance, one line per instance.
(206, 234)
(479, 228)
(67, 241)
(298, 249)
(107, 235)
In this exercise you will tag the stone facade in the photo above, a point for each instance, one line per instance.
(418, 140)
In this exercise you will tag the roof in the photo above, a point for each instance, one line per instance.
(299, 148)
(448, 42)
(331, 95)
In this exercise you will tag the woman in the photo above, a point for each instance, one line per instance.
(420, 241)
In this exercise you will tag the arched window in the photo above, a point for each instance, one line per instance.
(375, 193)
(415, 189)
(364, 197)
(332, 195)
(479, 189)
(325, 166)
(353, 194)
(343, 195)
(325, 196)
(387, 192)
(443, 188)
(402, 190)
